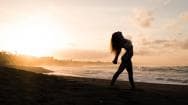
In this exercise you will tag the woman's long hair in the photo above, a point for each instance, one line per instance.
(116, 42)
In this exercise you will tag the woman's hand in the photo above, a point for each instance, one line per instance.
(114, 61)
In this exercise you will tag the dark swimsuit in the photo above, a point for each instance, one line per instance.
(129, 53)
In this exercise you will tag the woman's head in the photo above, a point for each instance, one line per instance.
(116, 40)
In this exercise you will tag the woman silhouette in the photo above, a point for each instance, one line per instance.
(117, 43)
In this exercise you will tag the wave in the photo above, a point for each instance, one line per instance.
(177, 80)
(177, 69)
(169, 75)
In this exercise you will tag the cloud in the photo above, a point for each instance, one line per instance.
(166, 2)
(184, 16)
(80, 54)
(162, 2)
(161, 46)
(143, 17)
(184, 45)
(174, 25)
(166, 43)
(177, 24)
(143, 52)
(157, 41)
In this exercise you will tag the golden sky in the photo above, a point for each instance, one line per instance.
(81, 29)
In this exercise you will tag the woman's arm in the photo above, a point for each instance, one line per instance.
(116, 57)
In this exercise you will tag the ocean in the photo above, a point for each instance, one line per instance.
(149, 74)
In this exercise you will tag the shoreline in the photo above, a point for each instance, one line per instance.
(70, 75)
(43, 70)
(122, 77)
(20, 87)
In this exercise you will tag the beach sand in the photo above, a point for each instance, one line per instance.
(19, 87)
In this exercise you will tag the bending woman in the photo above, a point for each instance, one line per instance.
(117, 43)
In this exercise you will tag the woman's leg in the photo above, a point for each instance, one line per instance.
(130, 73)
(118, 72)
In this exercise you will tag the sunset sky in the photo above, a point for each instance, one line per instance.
(81, 29)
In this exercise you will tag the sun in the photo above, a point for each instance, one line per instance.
(37, 36)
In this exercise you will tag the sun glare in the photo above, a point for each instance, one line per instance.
(37, 36)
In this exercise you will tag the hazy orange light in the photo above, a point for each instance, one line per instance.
(37, 36)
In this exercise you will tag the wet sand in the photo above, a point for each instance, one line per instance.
(19, 87)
